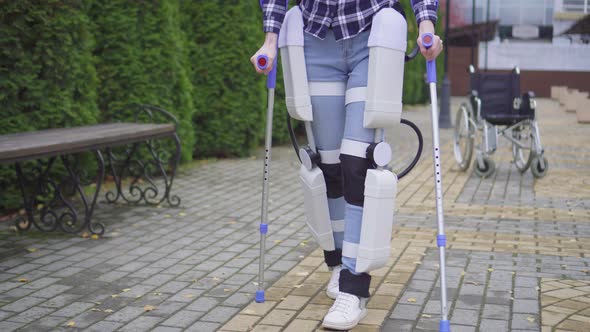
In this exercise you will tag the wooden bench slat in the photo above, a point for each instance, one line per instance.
(53, 142)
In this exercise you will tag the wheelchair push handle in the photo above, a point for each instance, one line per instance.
(428, 41)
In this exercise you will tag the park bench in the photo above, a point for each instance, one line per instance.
(51, 204)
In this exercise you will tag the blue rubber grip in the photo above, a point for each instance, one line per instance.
(263, 228)
(445, 326)
(271, 80)
(260, 296)
(441, 240)
(428, 41)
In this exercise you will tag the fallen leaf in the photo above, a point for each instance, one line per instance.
(537, 288)
(472, 283)
(418, 263)
(585, 271)
(23, 280)
(411, 299)
(109, 311)
(227, 290)
(95, 309)
(168, 216)
(182, 214)
(157, 294)
(149, 308)
(277, 241)
(126, 290)
(231, 222)
(114, 296)
(94, 237)
(511, 298)
(71, 324)
(98, 303)
(462, 273)
(39, 206)
(530, 319)
(138, 296)
(189, 296)
(490, 270)
(302, 274)
(216, 279)
(426, 315)
(31, 249)
(194, 280)
(297, 286)
(85, 235)
(303, 244)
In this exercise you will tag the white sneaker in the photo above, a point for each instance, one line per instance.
(332, 289)
(346, 313)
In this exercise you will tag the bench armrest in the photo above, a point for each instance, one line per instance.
(149, 113)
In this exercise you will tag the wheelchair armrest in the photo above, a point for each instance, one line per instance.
(528, 100)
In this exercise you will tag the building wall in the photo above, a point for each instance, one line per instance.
(537, 81)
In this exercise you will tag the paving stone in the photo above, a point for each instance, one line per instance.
(143, 323)
(203, 327)
(126, 314)
(406, 312)
(220, 314)
(183, 318)
(73, 309)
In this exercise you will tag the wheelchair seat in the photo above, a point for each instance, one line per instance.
(497, 92)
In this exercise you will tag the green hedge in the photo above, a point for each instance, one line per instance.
(71, 62)
(47, 73)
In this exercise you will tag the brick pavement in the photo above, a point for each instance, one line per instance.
(518, 252)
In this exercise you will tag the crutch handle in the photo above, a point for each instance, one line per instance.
(262, 63)
(428, 41)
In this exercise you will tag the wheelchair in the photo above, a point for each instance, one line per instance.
(496, 108)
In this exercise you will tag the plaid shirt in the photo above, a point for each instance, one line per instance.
(347, 17)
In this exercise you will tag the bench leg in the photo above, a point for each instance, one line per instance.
(50, 201)
(143, 185)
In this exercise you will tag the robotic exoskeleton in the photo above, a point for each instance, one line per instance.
(363, 165)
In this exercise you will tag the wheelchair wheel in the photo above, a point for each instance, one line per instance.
(522, 156)
(488, 167)
(463, 139)
(538, 170)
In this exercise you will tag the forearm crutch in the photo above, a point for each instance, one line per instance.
(262, 63)
(427, 41)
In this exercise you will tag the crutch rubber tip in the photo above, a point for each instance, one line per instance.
(445, 326)
(260, 296)
(263, 228)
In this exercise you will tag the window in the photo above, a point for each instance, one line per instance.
(575, 6)
(509, 12)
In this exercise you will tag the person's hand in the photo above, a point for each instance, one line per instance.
(269, 48)
(437, 44)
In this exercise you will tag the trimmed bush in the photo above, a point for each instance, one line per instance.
(47, 76)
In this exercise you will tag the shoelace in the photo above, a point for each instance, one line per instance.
(343, 302)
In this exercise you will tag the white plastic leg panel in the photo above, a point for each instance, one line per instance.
(316, 207)
(294, 70)
(383, 106)
(375, 244)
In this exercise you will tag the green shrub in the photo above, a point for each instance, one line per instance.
(47, 75)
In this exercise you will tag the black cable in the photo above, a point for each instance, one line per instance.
(292, 136)
(420, 145)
